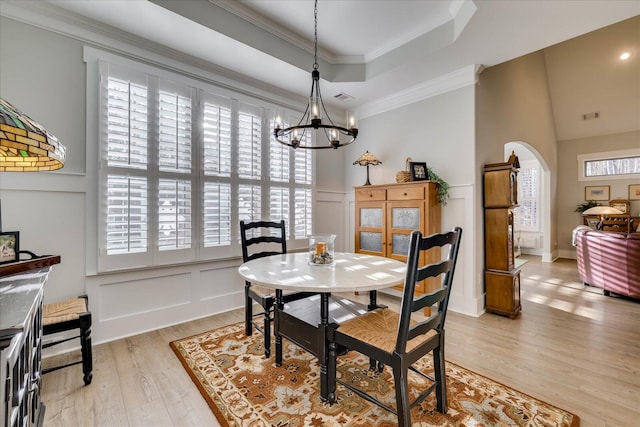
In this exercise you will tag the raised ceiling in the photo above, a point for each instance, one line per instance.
(371, 50)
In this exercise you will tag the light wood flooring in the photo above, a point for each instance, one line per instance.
(570, 347)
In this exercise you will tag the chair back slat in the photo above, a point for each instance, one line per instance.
(415, 273)
(272, 232)
(261, 255)
(427, 300)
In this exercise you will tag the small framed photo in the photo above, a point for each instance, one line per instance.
(418, 171)
(9, 246)
(634, 191)
(598, 192)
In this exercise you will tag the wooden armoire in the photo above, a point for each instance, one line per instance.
(387, 214)
(501, 277)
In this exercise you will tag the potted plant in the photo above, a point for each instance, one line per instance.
(443, 186)
(586, 205)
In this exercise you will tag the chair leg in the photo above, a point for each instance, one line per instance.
(248, 312)
(440, 377)
(267, 329)
(85, 344)
(402, 394)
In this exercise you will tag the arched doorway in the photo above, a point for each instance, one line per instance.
(535, 236)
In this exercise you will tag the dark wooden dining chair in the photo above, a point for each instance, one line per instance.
(261, 239)
(397, 340)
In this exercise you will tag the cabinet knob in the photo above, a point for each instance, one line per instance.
(404, 194)
(370, 195)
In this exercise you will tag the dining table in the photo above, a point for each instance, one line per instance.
(306, 322)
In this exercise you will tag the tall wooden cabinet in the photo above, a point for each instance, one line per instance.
(387, 214)
(501, 277)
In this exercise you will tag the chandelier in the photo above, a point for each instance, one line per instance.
(296, 136)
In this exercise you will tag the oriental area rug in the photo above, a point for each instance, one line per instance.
(245, 389)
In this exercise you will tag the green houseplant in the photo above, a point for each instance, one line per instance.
(586, 205)
(443, 186)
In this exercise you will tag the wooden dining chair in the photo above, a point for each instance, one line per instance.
(70, 315)
(261, 239)
(397, 340)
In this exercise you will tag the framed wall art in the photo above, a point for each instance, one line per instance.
(9, 246)
(620, 204)
(418, 171)
(596, 192)
(634, 191)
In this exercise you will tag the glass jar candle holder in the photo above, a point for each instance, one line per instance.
(321, 249)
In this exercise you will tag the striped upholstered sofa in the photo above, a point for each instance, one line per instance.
(609, 260)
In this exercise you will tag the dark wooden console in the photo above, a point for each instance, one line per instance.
(21, 290)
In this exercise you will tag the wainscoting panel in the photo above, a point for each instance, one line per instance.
(329, 217)
(129, 303)
(142, 296)
(467, 296)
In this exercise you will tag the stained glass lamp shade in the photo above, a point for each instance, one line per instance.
(26, 146)
(365, 160)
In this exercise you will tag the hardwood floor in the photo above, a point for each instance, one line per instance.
(571, 347)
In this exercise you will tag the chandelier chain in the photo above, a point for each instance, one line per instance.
(315, 36)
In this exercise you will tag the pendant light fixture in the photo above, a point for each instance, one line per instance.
(300, 135)
(26, 146)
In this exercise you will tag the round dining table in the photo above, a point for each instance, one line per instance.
(306, 322)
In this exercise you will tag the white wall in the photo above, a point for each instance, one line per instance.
(439, 131)
(56, 212)
(513, 104)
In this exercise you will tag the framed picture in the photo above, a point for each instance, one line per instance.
(418, 171)
(620, 204)
(9, 246)
(598, 192)
(634, 191)
(593, 222)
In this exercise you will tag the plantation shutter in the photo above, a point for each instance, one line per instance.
(526, 214)
(127, 153)
(217, 166)
(180, 166)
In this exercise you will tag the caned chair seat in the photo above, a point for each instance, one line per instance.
(63, 316)
(63, 311)
(379, 328)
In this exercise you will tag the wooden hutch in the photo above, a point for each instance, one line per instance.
(387, 214)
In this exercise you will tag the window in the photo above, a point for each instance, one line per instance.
(527, 215)
(183, 164)
(623, 164)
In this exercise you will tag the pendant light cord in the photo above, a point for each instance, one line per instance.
(315, 37)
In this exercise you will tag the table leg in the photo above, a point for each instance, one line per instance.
(326, 392)
(276, 326)
(373, 300)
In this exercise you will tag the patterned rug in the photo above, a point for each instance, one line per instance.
(245, 389)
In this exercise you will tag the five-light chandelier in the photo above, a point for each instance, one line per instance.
(296, 136)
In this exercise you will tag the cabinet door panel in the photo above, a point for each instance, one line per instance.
(408, 217)
(371, 217)
(400, 245)
(371, 242)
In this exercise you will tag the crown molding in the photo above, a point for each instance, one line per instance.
(455, 80)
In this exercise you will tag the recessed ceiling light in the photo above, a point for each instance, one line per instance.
(625, 56)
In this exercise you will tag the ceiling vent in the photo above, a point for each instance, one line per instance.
(590, 116)
(344, 97)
